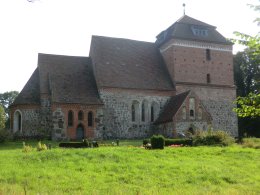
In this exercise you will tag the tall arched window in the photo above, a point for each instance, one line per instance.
(17, 121)
(208, 78)
(70, 118)
(80, 115)
(135, 109)
(90, 119)
(192, 108)
(133, 112)
(144, 111)
(152, 113)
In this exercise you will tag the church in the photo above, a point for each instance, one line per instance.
(133, 89)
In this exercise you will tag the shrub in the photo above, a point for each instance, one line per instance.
(3, 135)
(157, 142)
(41, 147)
(146, 141)
(27, 148)
(209, 137)
(94, 144)
(251, 143)
(184, 142)
(74, 145)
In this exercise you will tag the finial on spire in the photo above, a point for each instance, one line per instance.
(183, 8)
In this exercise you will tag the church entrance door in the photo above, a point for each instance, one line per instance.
(80, 132)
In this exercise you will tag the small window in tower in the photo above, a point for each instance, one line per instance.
(208, 78)
(208, 56)
(70, 118)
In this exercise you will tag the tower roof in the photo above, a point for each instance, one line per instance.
(188, 28)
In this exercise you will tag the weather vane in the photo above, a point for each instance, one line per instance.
(183, 8)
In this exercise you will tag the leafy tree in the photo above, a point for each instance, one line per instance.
(247, 78)
(2, 118)
(6, 99)
(249, 106)
(246, 73)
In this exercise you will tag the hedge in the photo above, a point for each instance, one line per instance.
(185, 142)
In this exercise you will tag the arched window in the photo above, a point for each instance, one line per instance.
(208, 56)
(133, 112)
(208, 78)
(90, 119)
(184, 112)
(144, 111)
(152, 114)
(154, 111)
(70, 118)
(135, 109)
(192, 108)
(17, 121)
(80, 115)
(191, 113)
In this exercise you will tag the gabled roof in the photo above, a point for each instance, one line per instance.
(69, 79)
(171, 108)
(185, 29)
(30, 94)
(124, 63)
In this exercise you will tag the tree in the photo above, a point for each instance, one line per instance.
(2, 118)
(247, 78)
(246, 73)
(6, 99)
(249, 106)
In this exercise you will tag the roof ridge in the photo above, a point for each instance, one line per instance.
(120, 38)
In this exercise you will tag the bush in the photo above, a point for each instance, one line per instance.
(220, 138)
(184, 142)
(41, 147)
(157, 142)
(146, 141)
(251, 143)
(27, 148)
(4, 135)
(84, 144)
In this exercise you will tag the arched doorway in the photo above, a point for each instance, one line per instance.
(80, 132)
(17, 125)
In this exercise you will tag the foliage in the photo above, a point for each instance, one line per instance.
(251, 143)
(157, 142)
(146, 141)
(4, 135)
(246, 73)
(220, 138)
(7, 98)
(2, 118)
(248, 106)
(124, 170)
(41, 147)
(184, 142)
(27, 148)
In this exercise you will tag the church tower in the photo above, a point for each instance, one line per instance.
(200, 59)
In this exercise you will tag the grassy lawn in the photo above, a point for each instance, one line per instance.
(129, 170)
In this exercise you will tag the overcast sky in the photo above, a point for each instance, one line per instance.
(65, 27)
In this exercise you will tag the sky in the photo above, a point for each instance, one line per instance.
(65, 27)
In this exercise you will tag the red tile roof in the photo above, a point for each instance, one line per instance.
(125, 63)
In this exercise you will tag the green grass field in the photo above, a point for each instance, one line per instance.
(129, 170)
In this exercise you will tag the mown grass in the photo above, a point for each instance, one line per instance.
(130, 170)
